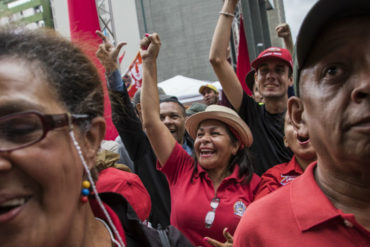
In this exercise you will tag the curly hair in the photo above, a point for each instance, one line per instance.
(66, 68)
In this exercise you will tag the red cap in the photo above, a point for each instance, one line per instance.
(129, 186)
(273, 52)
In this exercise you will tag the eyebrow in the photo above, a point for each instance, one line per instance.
(15, 106)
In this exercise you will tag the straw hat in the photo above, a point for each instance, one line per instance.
(223, 114)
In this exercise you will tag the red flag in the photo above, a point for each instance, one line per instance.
(83, 19)
(136, 72)
(243, 65)
(121, 57)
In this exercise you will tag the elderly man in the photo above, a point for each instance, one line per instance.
(329, 205)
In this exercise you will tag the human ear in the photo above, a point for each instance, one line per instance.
(285, 142)
(295, 111)
(93, 138)
(138, 108)
(235, 148)
(290, 78)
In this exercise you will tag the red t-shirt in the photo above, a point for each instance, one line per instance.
(278, 176)
(190, 199)
(298, 214)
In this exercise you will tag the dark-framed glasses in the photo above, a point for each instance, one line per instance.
(210, 216)
(22, 129)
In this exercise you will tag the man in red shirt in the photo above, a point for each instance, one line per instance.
(329, 205)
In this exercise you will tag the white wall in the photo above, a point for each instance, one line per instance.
(125, 21)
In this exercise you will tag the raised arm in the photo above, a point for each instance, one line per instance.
(159, 136)
(123, 113)
(283, 31)
(218, 55)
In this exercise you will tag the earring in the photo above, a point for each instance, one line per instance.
(85, 191)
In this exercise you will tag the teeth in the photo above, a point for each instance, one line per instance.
(14, 202)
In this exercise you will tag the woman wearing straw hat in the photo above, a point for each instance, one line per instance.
(212, 190)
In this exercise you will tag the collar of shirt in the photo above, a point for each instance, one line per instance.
(292, 167)
(309, 204)
(233, 176)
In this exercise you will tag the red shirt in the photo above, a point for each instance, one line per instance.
(129, 186)
(278, 176)
(299, 214)
(190, 199)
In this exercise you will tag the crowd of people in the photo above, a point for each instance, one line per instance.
(265, 170)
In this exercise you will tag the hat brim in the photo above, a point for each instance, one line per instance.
(192, 124)
(258, 61)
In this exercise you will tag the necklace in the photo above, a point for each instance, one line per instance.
(110, 232)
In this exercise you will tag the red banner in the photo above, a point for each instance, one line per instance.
(83, 21)
(243, 65)
(136, 73)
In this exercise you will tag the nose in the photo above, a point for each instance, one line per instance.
(167, 120)
(204, 138)
(5, 164)
(361, 91)
(271, 74)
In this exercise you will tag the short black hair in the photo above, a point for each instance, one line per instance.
(169, 98)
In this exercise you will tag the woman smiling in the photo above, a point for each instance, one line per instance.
(51, 126)
(212, 190)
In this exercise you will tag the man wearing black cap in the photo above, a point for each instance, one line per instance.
(329, 205)
(273, 76)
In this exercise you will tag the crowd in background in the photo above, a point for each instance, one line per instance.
(266, 169)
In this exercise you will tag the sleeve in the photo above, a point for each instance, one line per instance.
(128, 124)
(114, 81)
(178, 164)
(269, 182)
(248, 109)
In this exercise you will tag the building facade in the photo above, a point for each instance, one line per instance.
(30, 13)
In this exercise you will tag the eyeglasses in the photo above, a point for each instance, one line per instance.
(210, 216)
(20, 130)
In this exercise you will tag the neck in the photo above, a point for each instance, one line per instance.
(93, 233)
(217, 175)
(350, 194)
(276, 105)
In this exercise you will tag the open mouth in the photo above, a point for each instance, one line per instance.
(206, 152)
(302, 140)
(9, 205)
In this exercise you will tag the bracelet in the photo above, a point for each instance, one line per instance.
(226, 14)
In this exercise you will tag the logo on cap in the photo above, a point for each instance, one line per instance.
(274, 49)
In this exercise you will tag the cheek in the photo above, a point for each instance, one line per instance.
(57, 170)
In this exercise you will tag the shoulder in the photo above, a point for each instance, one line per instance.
(270, 209)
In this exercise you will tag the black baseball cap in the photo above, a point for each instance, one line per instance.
(323, 12)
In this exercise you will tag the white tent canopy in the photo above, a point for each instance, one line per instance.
(185, 88)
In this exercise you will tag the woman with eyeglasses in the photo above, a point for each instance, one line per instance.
(51, 126)
(211, 191)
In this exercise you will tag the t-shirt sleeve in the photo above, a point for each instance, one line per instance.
(249, 109)
(178, 164)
